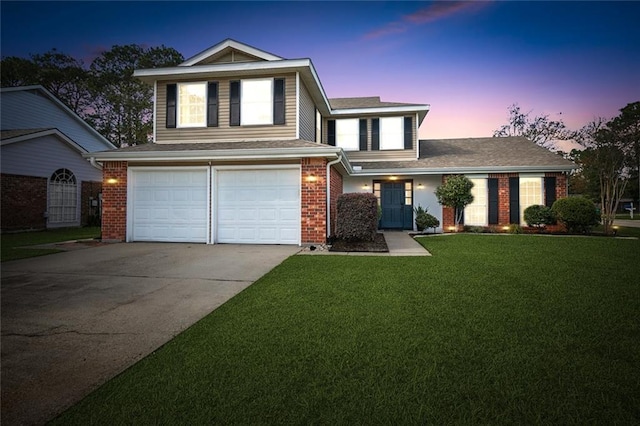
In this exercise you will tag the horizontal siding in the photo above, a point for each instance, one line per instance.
(225, 132)
(44, 155)
(385, 155)
(307, 115)
(32, 110)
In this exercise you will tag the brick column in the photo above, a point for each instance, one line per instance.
(313, 193)
(336, 190)
(114, 201)
(448, 213)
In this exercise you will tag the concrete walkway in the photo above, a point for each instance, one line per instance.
(400, 243)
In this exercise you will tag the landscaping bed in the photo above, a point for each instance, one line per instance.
(378, 245)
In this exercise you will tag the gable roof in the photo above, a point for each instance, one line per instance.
(14, 136)
(474, 155)
(34, 107)
(229, 44)
(199, 67)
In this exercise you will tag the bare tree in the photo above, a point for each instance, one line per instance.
(540, 129)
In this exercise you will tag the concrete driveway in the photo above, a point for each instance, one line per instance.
(73, 320)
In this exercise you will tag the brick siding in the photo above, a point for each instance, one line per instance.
(448, 220)
(24, 202)
(336, 190)
(114, 201)
(313, 201)
(90, 190)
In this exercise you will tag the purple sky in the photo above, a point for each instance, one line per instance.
(469, 61)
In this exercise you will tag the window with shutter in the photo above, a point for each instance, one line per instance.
(171, 106)
(234, 103)
(363, 134)
(278, 101)
(212, 104)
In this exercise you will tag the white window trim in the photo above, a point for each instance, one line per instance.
(346, 137)
(480, 204)
(251, 121)
(203, 123)
(391, 138)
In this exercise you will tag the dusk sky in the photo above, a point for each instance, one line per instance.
(469, 61)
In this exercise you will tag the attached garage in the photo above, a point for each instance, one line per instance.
(257, 206)
(168, 204)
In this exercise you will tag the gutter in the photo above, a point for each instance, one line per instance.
(462, 170)
(329, 164)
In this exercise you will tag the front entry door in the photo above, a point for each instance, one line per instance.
(396, 213)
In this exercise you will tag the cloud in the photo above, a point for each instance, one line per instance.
(433, 12)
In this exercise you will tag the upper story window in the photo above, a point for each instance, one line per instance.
(347, 134)
(192, 98)
(391, 133)
(256, 102)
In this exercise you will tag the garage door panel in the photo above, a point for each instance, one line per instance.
(258, 206)
(170, 205)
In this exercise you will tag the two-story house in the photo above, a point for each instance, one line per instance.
(249, 149)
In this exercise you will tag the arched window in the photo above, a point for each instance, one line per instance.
(63, 197)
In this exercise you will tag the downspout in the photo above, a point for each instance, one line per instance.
(329, 164)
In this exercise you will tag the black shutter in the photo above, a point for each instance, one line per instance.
(278, 101)
(549, 191)
(492, 186)
(408, 133)
(514, 200)
(363, 134)
(331, 132)
(172, 90)
(234, 103)
(212, 104)
(375, 134)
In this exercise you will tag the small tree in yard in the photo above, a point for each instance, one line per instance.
(424, 220)
(456, 194)
(357, 217)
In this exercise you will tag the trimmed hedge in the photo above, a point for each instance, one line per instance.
(578, 214)
(538, 215)
(357, 217)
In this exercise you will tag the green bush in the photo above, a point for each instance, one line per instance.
(538, 216)
(424, 220)
(515, 229)
(357, 217)
(578, 214)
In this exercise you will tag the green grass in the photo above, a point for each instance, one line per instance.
(13, 244)
(493, 329)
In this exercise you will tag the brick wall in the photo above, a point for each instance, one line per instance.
(114, 201)
(314, 201)
(23, 201)
(448, 219)
(336, 190)
(89, 190)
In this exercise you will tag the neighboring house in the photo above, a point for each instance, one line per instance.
(46, 182)
(248, 149)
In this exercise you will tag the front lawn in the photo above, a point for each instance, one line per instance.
(13, 245)
(493, 329)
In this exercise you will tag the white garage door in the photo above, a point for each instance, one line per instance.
(169, 205)
(258, 206)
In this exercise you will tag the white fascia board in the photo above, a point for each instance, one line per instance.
(462, 170)
(231, 68)
(421, 110)
(221, 154)
(233, 44)
(64, 138)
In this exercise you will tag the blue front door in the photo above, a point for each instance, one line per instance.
(396, 214)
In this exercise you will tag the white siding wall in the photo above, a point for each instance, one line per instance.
(424, 196)
(43, 156)
(32, 110)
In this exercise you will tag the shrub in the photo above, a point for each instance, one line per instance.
(474, 229)
(357, 217)
(578, 214)
(515, 229)
(538, 216)
(424, 220)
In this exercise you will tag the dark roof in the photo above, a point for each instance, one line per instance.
(368, 102)
(474, 153)
(213, 146)
(9, 134)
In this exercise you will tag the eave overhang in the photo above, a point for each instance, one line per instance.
(460, 170)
